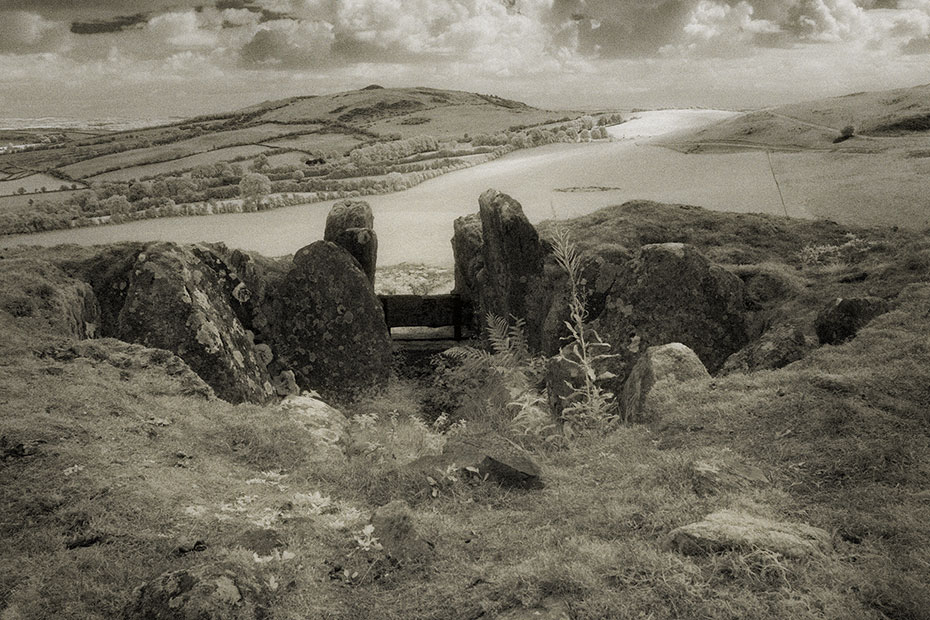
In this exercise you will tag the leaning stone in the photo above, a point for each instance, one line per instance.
(727, 530)
(350, 224)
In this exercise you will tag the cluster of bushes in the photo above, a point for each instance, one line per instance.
(394, 150)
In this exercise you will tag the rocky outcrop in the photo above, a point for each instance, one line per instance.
(776, 348)
(670, 293)
(659, 367)
(842, 318)
(176, 300)
(38, 291)
(328, 326)
(209, 592)
(733, 530)
(350, 224)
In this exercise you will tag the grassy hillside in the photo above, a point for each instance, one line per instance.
(874, 116)
(117, 465)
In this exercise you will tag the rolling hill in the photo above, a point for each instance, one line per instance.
(875, 117)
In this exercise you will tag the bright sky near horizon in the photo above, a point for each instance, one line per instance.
(96, 58)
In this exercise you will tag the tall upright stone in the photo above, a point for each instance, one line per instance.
(350, 224)
(328, 324)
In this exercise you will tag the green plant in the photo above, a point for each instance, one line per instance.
(485, 383)
(588, 405)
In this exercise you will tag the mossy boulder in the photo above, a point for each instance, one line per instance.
(329, 325)
(659, 367)
(177, 300)
(841, 319)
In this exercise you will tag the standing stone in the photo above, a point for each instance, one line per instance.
(663, 365)
(329, 326)
(350, 224)
(175, 300)
(513, 256)
(842, 318)
(467, 241)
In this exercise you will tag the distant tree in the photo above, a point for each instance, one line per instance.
(20, 190)
(260, 163)
(253, 187)
(848, 131)
(584, 135)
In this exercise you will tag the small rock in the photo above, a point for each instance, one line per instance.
(709, 477)
(732, 530)
(208, 592)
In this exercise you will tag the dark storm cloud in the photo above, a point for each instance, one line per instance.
(116, 24)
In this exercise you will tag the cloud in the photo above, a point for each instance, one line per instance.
(289, 43)
(22, 32)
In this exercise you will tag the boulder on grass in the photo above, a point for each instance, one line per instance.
(728, 530)
(715, 476)
(177, 301)
(329, 325)
(659, 366)
(325, 424)
(208, 592)
(842, 318)
(502, 462)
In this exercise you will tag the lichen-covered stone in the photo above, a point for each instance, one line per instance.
(328, 324)
(659, 366)
(776, 348)
(513, 260)
(177, 300)
(467, 240)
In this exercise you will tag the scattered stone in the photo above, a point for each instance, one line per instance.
(326, 425)
(207, 592)
(177, 301)
(776, 348)
(395, 530)
(186, 546)
(350, 224)
(710, 477)
(329, 325)
(668, 364)
(842, 318)
(495, 458)
(733, 530)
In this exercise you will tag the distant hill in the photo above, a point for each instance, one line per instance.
(404, 111)
(874, 116)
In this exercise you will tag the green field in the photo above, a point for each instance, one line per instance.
(32, 183)
(183, 148)
(318, 143)
(181, 164)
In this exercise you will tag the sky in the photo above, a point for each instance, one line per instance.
(161, 58)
